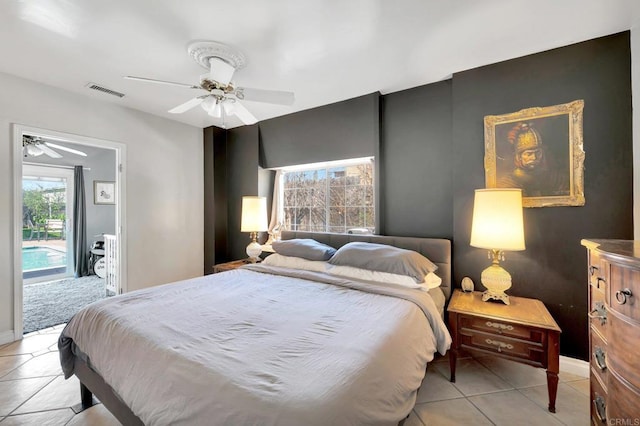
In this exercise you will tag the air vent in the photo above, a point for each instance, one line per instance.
(94, 86)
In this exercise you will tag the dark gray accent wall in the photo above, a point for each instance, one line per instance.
(553, 266)
(242, 179)
(416, 162)
(429, 143)
(347, 129)
(215, 197)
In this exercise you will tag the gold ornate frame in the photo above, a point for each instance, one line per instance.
(576, 153)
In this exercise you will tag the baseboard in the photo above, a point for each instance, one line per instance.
(6, 337)
(574, 366)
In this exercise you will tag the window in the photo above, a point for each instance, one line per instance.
(329, 197)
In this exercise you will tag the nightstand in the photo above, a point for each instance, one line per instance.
(228, 266)
(523, 331)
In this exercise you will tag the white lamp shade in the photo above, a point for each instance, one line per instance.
(254, 214)
(498, 219)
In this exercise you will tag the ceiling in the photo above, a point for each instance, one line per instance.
(323, 50)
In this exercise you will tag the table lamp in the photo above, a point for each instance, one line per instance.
(497, 226)
(254, 220)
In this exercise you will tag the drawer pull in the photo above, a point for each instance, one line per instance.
(599, 355)
(500, 327)
(599, 312)
(499, 344)
(592, 270)
(598, 280)
(621, 296)
(600, 406)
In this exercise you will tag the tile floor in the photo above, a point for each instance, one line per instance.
(488, 391)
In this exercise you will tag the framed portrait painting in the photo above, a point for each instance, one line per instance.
(104, 192)
(539, 150)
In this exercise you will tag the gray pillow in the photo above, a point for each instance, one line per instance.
(384, 258)
(305, 248)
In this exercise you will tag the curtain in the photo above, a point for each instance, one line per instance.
(275, 225)
(80, 258)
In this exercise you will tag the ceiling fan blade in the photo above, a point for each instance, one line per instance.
(51, 153)
(221, 71)
(170, 83)
(188, 105)
(64, 148)
(243, 114)
(269, 96)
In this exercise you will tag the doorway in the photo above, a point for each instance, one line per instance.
(47, 249)
(44, 205)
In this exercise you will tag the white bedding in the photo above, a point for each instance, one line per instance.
(251, 348)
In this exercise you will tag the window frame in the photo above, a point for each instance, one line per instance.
(328, 165)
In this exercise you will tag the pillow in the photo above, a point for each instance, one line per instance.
(293, 262)
(384, 258)
(430, 281)
(305, 248)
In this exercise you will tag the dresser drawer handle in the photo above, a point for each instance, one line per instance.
(600, 356)
(592, 270)
(598, 280)
(600, 406)
(500, 327)
(599, 312)
(500, 345)
(621, 296)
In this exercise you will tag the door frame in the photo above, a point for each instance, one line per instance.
(18, 130)
(69, 189)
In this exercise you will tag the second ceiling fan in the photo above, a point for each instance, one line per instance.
(223, 98)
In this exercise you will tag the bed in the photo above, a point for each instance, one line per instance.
(264, 345)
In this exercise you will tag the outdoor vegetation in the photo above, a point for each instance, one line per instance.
(40, 204)
(330, 199)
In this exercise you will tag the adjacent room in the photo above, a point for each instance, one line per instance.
(348, 213)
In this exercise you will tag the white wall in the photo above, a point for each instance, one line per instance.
(164, 181)
(635, 94)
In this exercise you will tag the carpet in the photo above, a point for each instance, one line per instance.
(55, 302)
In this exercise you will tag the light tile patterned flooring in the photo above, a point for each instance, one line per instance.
(488, 391)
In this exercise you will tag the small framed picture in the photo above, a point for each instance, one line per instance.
(104, 192)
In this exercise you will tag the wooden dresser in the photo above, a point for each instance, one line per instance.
(614, 330)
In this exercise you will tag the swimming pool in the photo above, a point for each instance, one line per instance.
(37, 258)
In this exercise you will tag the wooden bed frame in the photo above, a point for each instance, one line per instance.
(436, 249)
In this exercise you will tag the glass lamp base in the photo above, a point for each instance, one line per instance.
(496, 280)
(253, 251)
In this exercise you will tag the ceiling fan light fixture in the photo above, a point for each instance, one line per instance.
(229, 107)
(208, 103)
(34, 151)
(216, 110)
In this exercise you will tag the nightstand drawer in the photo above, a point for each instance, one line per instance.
(501, 328)
(535, 353)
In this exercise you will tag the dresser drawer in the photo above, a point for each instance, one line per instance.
(626, 404)
(598, 399)
(502, 328)
(598, 356)
(534, 353)
(598, 314)
(624, 290)
(596, 271)
(622, 357)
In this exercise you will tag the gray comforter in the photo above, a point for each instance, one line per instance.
(261, 346)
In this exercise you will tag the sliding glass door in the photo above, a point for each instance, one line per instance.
(47, 219)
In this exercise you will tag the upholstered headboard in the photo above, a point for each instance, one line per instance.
(438, 250)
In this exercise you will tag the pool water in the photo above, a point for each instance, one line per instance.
(42, 258)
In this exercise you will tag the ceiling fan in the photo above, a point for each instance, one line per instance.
(33, 146)
(223, 97)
